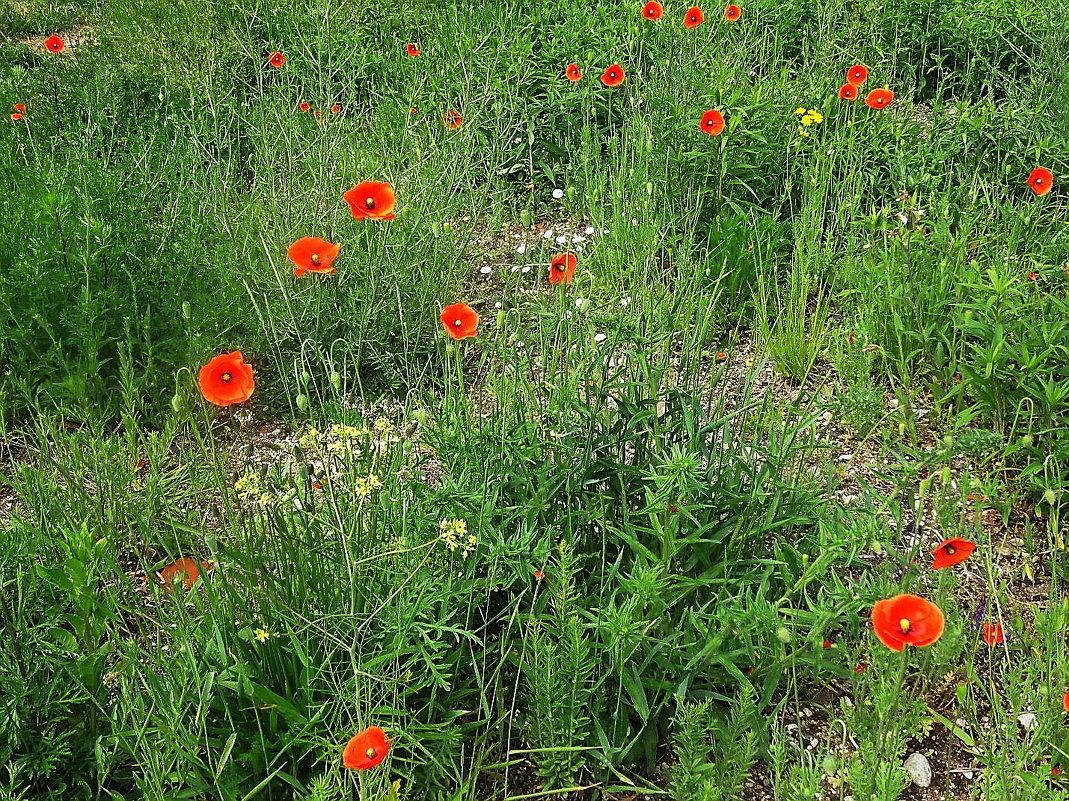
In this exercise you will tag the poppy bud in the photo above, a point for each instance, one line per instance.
(186, 310)
(901, 429)
(177, 403)
(948, 441)
(525, 218)
(499, 319)
(302, 402)
(783, 635)
(571, 194)
(335, 381)
(1026, 441)
(436, 229)
(649, 188)
(306, 378)
(968, 314)
(1049, 496)
(946, 475)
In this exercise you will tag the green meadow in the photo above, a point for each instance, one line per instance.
(675, 406)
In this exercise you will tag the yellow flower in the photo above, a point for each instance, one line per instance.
(452, 533)
(799, 111)
(262, 635)
(807, 120)
(803, 132)
(816, 115)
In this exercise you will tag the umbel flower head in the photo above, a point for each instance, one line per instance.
(907, 620)
(366, 749)
(226, 379)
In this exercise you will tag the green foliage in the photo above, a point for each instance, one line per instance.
(699, 731)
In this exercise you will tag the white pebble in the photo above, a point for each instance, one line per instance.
(589, 230)
(558, 194)
(526, 269)
(919, 770)
(486, 270)
(600, 337)
(522, 248)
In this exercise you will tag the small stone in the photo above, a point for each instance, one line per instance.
(920, 772)
(486, 270)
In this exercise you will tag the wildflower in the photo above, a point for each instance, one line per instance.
(613, 75)
(262, 635)
(992, 634)
(16, 116)
(693, 18)
(799, 111)
(460, 321)
(827, 644)
(907, 620)
(1065, 702)
(721, 356)
(712, 122)
(312, 255)
(812, 117)
(558, 194)
(366, 749)
(572, 72)
(335, 108)
(732, 13)
(848, 92)
(19, 108)
(978, 615)
(371, 200)
(952, 552)
(539, 575)
(861, 667)
(879, 98)
(411, 49)
(305, 107)
(226, 379)
(276, 60)
(653, 10)
(55, 44)
(1033, 276)
(455, 535)
(1040, 180)
(452, 119)
(857, 75)
(184, 571)
(562, 268)
(363, 487)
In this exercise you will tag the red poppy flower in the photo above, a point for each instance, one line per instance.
(1040, 180)
(879, 98)
(713, 122)
(907, 620)
(857, 75)
(562, 268)
(21, 109)
(305, 107)
(371, 200)
(721, 356)
(16, 116)
(952, 552)
(1055, 771)
(1033, 276)
(572, 73)
(184, 571)
(613, 75)
(366, 750)
(460, 321)
(452, 119)
(1065, 702)
(693, 18)
(861, 667)
(413, 111)
(992, 634)
(312, 255)
(732, 13)
(335, 108)
(827, 644)
(276, 60)
(411, 49)
(55, 44)
(226, 379)
(653, 10)
(848, 92)
(539, 575)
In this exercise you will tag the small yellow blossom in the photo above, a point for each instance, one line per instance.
(803, 132)
(363, 487)
(456, 531)
(816, 115)
(262, 635)
(799, 111)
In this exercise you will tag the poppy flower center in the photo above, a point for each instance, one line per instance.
(950, 550)
(905, 625)
(226, 376)
(559, 266)
(370, 753)
(458, 323)
(315, 258)
(370, 202)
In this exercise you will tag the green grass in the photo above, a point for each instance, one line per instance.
(793, 359)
